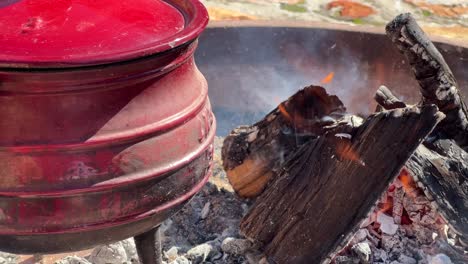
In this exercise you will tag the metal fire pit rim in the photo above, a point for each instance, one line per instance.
(321, 26)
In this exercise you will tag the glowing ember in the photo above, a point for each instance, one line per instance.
(408, 184)
(284, 112)
(346, 151)
(386, 206)
(328, 78)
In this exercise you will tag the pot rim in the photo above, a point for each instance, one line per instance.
(195, 20)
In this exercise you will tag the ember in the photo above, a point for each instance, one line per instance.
(345, 151)
(328, 78)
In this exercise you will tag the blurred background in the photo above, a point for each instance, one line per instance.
(445, 18)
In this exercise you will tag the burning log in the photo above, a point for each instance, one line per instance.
(253, 154)
(441, 167)
(437, 83)
(441, 163)
(316, 171)
(336, 166)
(330, 184)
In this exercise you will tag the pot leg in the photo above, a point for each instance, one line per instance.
(148, 247)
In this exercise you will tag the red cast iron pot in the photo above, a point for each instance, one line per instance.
(106, 127)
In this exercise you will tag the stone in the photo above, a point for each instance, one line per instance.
(236, 246)
(130, 250)
(387, 226)
(205, 210)
(407, 260)
(113, 253)
(346, 260)
(380, 255)
(360, 236)
(180, 260)
(439, 259)
(72, 260)
(172, 254)
(200, 253)
(390, 242)
(363, 252)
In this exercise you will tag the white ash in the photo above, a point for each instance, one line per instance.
(213, 215)
(236, 246)
(362, 251)
(113, 253)
(7, 258)
(171, 254)
(404, 228)
(73, 260)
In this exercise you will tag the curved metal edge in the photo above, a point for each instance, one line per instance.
(320, 25)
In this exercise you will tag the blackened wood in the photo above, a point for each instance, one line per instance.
(252, 154)
(436, 80)
(441, 167)
(331, 184)
(385, 98)
(148, 246)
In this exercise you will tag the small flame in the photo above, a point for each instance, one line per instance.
(328, 78)
(346, 151)
(386, 206)
(296, 119)
(284, 112)
(407, 183)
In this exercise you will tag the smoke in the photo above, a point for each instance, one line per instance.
(251, 70)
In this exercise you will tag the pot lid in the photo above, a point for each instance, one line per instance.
(71, 33)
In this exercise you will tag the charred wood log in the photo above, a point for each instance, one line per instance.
(325, 169)
(253, 154)
(437, 82)
(385, 98)
(331, 183)
(441, 168)
(441, 165)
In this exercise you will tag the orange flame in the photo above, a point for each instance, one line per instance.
(387, 205)
(295, 119)
(407, 183)
(346, 151)
(284, 112)
(328, 78)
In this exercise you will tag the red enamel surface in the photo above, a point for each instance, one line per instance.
(35, 33)
(96, 154)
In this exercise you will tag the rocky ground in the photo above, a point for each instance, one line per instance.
(447, 18)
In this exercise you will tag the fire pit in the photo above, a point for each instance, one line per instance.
(288, 156)
(254, 65)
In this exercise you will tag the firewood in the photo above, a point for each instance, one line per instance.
(252, 154)
(437, 82)
(441, 168)
(330, 184)
(385, 98)
(441, 165)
